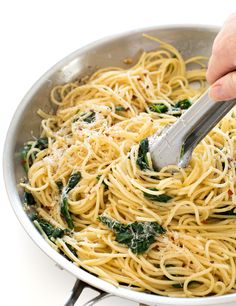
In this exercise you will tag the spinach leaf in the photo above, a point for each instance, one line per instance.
(65, 211)
(72, 249)
(119, 108)
(178, 285)
(105, 185)
(183, 104)
(138, 236)
(59, 185)
(231, 212)
(143, 149)
(159, 108)
(90, 117)
(41, 143)
(112, 224)
(23, 154)
(28, 198)
(181, 285)
(32, 214)
(72, 182)
(51, 231)
(159, 198)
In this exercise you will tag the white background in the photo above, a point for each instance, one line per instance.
(34, 35)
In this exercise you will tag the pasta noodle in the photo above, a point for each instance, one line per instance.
(88, 168)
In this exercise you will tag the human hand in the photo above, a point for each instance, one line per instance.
(221, 73)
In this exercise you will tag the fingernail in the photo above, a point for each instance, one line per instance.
(218, 93)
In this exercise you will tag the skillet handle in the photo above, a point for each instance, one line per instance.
(78, 289)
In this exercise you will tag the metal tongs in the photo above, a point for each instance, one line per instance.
(176, 143)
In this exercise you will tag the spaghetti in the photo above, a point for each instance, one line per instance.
(99, 201)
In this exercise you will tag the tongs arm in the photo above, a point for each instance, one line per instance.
(175, 145)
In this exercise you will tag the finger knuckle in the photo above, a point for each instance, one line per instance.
(225, 47)
(218, 49)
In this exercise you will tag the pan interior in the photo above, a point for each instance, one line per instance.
(189, 40)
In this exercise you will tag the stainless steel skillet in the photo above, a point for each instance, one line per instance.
(190, 40)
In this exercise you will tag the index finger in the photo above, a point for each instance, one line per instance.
(223, 58)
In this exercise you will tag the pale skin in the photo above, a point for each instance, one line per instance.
(221, 72)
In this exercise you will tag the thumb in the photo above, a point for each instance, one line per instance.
(224, 88)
